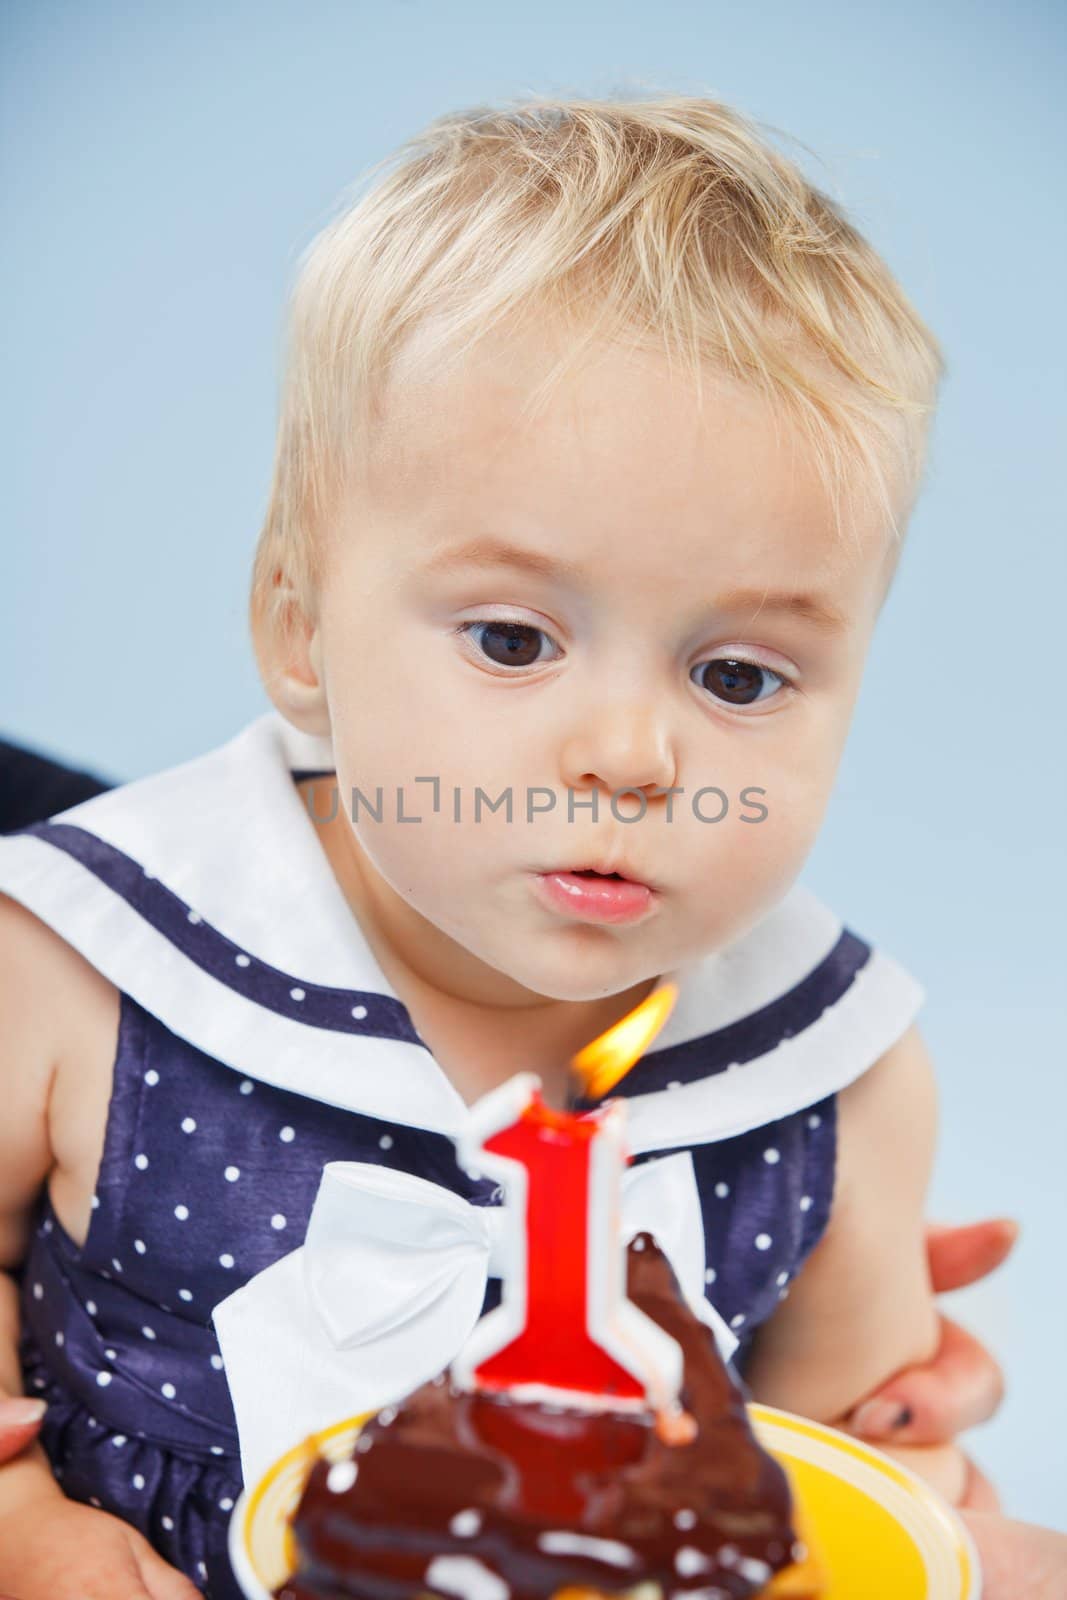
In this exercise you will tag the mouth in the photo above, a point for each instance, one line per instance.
(603, 873)
(590, 894)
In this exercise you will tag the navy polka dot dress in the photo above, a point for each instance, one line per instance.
(259, 1040)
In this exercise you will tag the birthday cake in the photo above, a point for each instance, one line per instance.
(473, 1494)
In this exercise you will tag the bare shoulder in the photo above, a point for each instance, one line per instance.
(50, 992)
(888, 1115)
(862, 1305)
(57, 1012)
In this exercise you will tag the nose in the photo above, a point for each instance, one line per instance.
(620, 746)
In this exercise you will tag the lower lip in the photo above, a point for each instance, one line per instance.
(595, 899)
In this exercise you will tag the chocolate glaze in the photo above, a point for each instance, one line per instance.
(513, 1496)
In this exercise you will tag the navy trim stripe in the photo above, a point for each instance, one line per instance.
(320, 1006)
(298, 774)
(316, 1004)
(753, 1035)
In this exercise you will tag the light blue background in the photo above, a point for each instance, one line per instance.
(162, 168)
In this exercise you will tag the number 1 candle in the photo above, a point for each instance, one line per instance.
(565, 1330)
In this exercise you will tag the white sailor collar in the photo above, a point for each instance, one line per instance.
(203, 892)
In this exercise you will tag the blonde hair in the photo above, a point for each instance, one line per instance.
(666, 217)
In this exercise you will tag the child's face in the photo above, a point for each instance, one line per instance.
(661, 515)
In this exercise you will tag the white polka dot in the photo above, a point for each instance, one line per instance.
(140, 1246)
(60, 1340)
(772, 1156)
(815, 1121)
(722, 1190)
(226, 1504)
(685, 1518)
(243, 960)
(296, 994)
(806, 1202)
(168, 1523)
(193, 916)
(185, 1294)
(277, 1221)
(386, 1141)
(736, 1322)
(710, 1275)
(116, 1264)
(167, 1390)
(247, 1086)
(783, 1277)
(90, 1306)
(46, 1226)
(151, 1076)
(217, 1450)
(287, 1135)
(763, 1241)
(201, 1569)
(226, 1260)
(119, 1440)
(95, 1201)
(137, 1481)
(93, 1501)
(783, 1293)
(140, 1162)
(359, 1012)
(111, 1354)
(188, 1124)
(38, 1383)
(149, 1333)
(232, 1174)
(182, 1213)
(674, 1084)
(103, 1379)
(216, 1362)
(38, 1292)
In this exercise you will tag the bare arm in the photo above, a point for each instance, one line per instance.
(30, 1033)
(51, 1548)
(862, 1308)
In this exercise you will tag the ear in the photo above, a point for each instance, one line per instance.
(288, 646)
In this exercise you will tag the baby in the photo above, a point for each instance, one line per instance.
(600, 433)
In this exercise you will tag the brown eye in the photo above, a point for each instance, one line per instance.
(737, 682)
(507, 644)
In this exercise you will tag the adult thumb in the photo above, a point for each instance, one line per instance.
(20, 1418)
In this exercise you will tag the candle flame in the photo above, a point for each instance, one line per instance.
(601, 1064)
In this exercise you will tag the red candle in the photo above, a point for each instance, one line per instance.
(565, 1330)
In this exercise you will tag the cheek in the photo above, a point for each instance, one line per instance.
(777, 801)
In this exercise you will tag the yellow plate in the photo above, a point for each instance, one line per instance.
(881, 1532)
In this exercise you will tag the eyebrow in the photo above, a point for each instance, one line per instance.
(811, 608)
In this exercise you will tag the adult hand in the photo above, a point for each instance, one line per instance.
(962, 1384)
(52, 1548)
(20, 1420)
(1019, 1561)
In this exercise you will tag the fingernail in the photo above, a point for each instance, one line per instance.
(877, 1418)
(18, 1412)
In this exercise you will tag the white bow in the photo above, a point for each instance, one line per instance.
(386, 1288)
